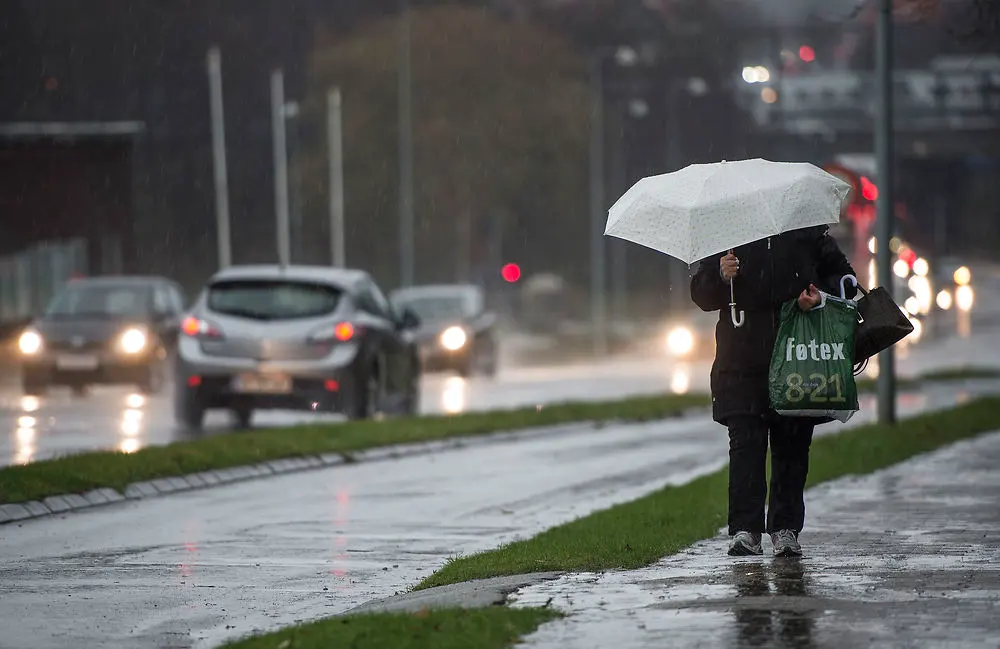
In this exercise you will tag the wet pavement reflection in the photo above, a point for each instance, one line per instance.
(114, 418)
(907, 557)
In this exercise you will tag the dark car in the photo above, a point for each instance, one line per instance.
(456, 332)
(103, 330)
(299, 338)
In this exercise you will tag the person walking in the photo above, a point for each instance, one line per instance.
(765, 274)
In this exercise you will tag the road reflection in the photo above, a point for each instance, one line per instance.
(30, 403)
(680, 380)
(131, 424)
(453, 395)
(766, 617)
(24, 449)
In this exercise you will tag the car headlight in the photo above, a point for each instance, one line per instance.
(680, 341)
(30, 342)
(453, 338)
(133, 341)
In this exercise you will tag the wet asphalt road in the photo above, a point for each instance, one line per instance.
(197, 568)
(907, 557)
(114, 418)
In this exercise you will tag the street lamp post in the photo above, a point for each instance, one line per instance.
(697, 87)
(405, 92)
(335, 151)
(219, 157)
(884, 202)
(598, 290)
(280, 164)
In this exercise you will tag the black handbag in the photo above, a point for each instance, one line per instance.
(881, 324)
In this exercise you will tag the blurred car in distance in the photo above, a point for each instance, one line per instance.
(103, 330)
(456, 333)
(299, 338)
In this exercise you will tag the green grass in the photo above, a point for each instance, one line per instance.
(631, 535)
(639, 533)
(961, 374)
(935, 376)
(86, 471)
(488, 628)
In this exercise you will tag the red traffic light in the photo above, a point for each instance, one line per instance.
(807, 54)
(868, 189)
(510, 273)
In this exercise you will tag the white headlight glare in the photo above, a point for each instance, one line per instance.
(453, 338)
(680, 341)
(133, 341)
(30, 342)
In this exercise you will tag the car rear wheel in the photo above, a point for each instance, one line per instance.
(188, 411)
(33, 386)
(366, 395)
(242, 417)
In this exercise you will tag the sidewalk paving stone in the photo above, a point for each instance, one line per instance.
(906, 557)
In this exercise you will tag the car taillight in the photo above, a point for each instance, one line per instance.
(341, 332)
(196, 327)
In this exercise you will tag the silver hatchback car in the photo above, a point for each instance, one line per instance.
(295, 337)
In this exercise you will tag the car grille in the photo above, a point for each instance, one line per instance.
(67, 346)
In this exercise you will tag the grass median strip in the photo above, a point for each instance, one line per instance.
(488, 628)
(86, 471)
(639, 533)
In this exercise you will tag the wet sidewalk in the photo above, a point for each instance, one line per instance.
(907, 557)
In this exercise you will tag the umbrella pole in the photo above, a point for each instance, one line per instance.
(737, 320)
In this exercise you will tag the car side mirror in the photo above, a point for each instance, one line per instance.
(409, 320)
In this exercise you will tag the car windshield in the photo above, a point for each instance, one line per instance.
(100, 301)
(273, 300)
(436, 307)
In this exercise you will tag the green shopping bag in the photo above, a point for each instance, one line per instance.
(812, 366)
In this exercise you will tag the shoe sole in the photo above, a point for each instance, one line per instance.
(788, 553)
(741, 550)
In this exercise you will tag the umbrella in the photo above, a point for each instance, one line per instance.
(705, 209)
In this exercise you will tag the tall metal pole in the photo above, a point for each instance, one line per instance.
(617, 250)
(335, 150)
(884, 204)
(598, 309)
(296, 228)
(219, 157)
(280, 164)
(676, 269)
(405, 92)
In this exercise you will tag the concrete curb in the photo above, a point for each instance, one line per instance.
(478, 593)
(63, 503)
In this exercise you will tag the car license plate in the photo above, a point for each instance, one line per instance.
(263, 383)
(76, 362)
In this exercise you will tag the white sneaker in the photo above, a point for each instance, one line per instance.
(745, 544)
(786, 544)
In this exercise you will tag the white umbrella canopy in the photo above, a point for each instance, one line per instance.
(706, 209)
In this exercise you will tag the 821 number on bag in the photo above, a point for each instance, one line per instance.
(817, 388)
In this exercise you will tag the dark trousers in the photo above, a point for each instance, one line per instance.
(790, 438)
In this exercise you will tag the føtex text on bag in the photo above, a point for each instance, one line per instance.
(812, 366)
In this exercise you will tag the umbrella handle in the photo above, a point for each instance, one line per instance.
(737, 321)
(843, 284)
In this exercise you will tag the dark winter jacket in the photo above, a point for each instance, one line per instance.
(772, 271)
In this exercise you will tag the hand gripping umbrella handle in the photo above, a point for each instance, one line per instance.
(737, 321)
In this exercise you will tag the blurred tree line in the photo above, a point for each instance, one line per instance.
(501, 119)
